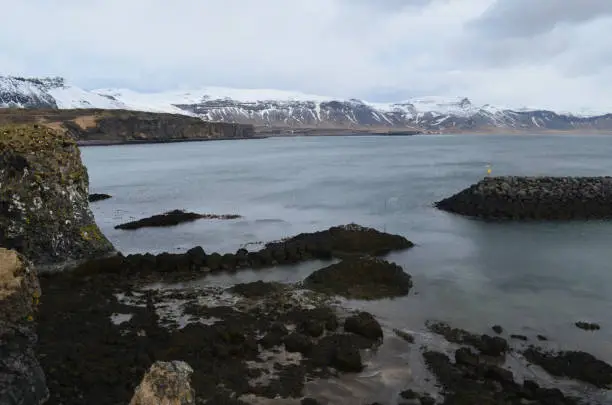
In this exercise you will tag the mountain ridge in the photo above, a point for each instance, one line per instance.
(290, 112)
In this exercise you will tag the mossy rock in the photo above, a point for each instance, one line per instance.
(361, 278)
(44, 208)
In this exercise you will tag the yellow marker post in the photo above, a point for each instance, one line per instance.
(488, 170)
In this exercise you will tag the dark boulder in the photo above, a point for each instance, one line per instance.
(364, 324)
(297, 342)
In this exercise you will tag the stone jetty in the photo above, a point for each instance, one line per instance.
(536, 198)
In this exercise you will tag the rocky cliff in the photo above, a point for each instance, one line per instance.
(90, 126)
(44, 208)
(22, 380)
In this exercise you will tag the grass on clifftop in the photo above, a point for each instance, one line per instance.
(27, 138)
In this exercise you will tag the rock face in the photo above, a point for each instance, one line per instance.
(44, 209)
(540, 198)
(22, 380)
(166, 383)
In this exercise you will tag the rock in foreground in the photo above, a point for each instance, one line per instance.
(540, 198)
(44, 208)
(361, 278)
(22, 380)
(166, 383)
(171, 218)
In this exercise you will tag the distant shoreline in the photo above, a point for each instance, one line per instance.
(102, 142)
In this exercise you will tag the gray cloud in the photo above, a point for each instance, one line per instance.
(527, 18)
(511, 52)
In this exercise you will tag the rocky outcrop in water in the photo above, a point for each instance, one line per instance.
(44, 208)
(22, 380)
(538, 198)
(166, 383)
(171, 218)
(361, 278)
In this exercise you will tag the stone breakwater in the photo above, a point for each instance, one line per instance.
(539, 198)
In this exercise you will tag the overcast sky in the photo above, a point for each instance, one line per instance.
(538, 53)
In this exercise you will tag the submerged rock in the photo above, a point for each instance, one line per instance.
(573, 364)
(166, 383)
(361, 278)
(542, 198)
(22, 380)
(588, 326)
(44, 207)
(98, 197)
(170, 218)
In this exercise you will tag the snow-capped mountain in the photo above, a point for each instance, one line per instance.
(276, 109)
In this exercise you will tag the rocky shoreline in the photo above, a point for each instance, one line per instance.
(89, 331)
(535, 198)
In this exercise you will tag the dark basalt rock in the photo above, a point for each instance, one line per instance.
(297, 342)
(256, 289)
(494, 346)
(473, 380)
(573, 364)
(98, 197)
(343, 240)
(340, 351)
(497, 329)
(361, 278)
(364, 324)
(170, 218)
(588, 326)
(538, 198)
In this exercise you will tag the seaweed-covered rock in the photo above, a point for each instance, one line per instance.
(166, 383)
(343, 240)
(573, 364)
(541, 198)
(472, 380)
(22, 380)
(364, 324)
(361, 278)
(44, 208)
(170, 218)
(494, 346)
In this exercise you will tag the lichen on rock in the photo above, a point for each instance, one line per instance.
(166, 383)
(22, 380)
(44, 208)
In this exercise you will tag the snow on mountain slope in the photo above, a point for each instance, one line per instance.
(285, 109)
(49, 93)
(74, 97)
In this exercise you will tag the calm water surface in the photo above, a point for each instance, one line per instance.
(531, 278)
